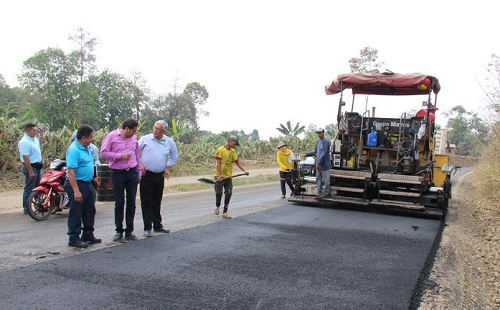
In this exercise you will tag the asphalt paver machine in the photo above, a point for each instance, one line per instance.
(387, 162)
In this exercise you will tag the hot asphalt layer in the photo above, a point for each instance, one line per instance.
(289, 257)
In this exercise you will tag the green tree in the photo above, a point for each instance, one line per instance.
(115, 98)
(290, 130)
(254, 136)
(331, 131)
(184, 107)
(187, 106)
(311, 128)
(367, 61)
(51, 78)
(466, 130)
(13, 101)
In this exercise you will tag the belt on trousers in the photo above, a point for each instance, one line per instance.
(80, 181)
(154, 173)
(36, 165)
(126, 169)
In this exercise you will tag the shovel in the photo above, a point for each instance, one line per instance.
(208, 181)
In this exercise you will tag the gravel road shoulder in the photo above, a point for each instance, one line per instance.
(463, 275)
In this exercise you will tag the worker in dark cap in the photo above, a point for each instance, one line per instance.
(225, 157)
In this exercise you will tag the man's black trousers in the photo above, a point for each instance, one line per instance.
(151, 194)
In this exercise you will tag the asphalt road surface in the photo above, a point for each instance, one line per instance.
(272, 255)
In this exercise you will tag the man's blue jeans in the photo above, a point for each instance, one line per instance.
(29, 184)
(80, 213)
(323, 181)
(124, 181)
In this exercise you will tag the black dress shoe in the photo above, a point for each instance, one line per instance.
(118, 237)
(92, 240)
(130, 237)
(162, 230)
(78, 244)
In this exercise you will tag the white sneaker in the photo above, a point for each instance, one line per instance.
(226, 216)
(216, 211)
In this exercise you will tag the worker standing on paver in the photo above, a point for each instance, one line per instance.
(225, 157)
(323, 164)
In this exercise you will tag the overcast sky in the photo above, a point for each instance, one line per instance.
(266, 62)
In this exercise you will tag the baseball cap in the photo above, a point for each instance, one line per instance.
(320, 130)
(234, 138)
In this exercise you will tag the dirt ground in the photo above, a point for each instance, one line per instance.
(465, 274)
(10, 199)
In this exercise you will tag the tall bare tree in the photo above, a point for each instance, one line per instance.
(85, 46)
(367, 61)
(494, 76)
(139, 91)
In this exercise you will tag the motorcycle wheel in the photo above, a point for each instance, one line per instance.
(35, 206)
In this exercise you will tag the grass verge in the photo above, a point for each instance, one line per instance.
(236, 182)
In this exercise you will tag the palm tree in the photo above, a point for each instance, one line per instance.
(288, 130)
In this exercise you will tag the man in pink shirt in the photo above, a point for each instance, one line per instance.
(121, 148)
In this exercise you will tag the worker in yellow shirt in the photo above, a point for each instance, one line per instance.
(282, 157)
(225, 157)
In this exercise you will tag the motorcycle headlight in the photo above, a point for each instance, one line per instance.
(55, 163)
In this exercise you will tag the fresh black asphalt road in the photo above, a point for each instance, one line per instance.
(288, 257)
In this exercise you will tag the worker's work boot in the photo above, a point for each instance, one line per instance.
(216, 212)
(226, 216)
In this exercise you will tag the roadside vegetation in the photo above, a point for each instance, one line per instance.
(466, 272)
(486, 204)
(487, 192)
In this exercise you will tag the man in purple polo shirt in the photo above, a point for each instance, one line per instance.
(121, 148)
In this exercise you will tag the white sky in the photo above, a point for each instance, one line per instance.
(266, 62)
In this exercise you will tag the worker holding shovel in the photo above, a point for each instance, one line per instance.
(225, 157)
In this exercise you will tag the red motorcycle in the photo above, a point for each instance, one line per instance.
(49, 197)
(50, 193)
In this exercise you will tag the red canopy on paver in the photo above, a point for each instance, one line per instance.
(374, 83)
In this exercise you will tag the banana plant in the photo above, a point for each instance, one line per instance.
(290, 130)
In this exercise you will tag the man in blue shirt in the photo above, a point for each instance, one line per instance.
(80, 165)
(92, 147)
(158, 155)
(323, 164)
(31, 157)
